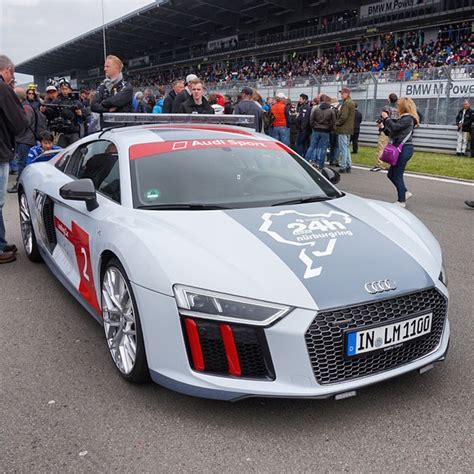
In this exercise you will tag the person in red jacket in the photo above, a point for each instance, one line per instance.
(281, 123)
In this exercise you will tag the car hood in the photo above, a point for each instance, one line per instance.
(314, 255)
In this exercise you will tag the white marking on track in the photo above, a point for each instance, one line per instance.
(419, 176)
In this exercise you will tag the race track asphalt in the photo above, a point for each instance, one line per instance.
(63, 407)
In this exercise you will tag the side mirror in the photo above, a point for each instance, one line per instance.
(80, 190)
(331, 175)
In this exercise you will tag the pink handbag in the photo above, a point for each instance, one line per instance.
(391, 152)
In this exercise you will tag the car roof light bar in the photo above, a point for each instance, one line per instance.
(138, 119)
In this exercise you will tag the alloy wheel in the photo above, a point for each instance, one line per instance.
(119, 320)
(25, 224)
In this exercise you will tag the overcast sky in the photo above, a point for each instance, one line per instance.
(30, 27)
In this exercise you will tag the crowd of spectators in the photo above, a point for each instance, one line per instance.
(405, 53)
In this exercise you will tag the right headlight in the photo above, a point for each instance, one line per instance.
(221, 307)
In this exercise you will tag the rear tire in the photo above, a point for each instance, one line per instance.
(123, 330)
(27, 232)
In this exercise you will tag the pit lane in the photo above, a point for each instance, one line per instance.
(64, 407)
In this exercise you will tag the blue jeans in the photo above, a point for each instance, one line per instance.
(22, 151)
(13, 165)
(282, 134)
(4, 171)
(345, 160)
(395, 173)
(318, 148)
(310, 154)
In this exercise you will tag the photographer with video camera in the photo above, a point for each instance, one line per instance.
(114, 94)
(65, 115)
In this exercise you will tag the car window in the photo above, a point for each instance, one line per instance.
(98, 161)
(227, 173)
(63, 161)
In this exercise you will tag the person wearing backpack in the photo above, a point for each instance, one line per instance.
(400, 132)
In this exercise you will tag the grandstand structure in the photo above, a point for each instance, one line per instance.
(189, 35)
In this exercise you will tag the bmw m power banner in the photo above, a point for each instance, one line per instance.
(392, 6)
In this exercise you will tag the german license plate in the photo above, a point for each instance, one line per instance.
(376, 338)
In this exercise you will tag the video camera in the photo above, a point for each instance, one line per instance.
(61, 124)
(61, 117)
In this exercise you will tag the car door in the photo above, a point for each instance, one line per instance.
(77, 230)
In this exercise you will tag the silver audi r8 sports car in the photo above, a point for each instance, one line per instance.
(222, 265)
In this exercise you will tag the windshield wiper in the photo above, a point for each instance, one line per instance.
(303, 200)
(185, 207)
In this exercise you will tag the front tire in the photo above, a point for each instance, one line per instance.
(27, 232)
(123, 331)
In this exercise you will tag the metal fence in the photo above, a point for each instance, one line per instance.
(425, 137)
(438, 92)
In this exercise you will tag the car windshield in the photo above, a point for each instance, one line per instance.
(221, 174)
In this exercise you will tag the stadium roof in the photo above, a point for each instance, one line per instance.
(169, 25)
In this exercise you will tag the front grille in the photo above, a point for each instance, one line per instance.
(325, 339)
(250, 342)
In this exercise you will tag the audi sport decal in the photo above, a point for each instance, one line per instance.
(79, 238)
(318, 231)
(147, 149)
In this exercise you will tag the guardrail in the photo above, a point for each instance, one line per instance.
(425, 137)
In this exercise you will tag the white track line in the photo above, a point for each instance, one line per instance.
(429, 178)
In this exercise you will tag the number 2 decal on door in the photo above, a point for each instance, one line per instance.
(79, 238)
(84, 270)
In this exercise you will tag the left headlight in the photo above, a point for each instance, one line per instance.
(221, 307)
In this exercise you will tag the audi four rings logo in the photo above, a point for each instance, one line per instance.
(380, 286)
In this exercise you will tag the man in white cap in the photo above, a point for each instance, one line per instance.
(281, 123)
(51, 94)
(184, 95)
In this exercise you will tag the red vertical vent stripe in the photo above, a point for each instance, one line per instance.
(230, 350)
(194, 344)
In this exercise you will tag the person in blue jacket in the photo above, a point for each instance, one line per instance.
(46, 144)
(158, 108)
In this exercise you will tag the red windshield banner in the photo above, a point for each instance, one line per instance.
(146, 149)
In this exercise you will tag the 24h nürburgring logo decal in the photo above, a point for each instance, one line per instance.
(318, 231)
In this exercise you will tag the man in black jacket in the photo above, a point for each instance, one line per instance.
(70, 110)
(114, 94)
(178, 87)
(355, 135)
(302, 124)
(197, 103)
(464, 119)
(12, 123)
(184, 95)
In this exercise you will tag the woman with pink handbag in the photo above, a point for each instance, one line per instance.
(400, 150)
